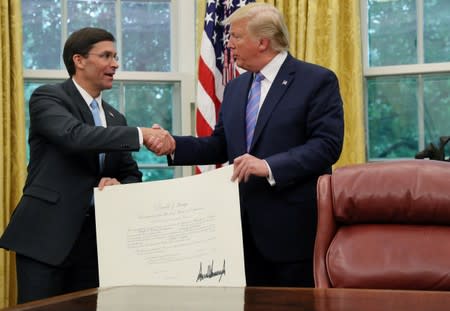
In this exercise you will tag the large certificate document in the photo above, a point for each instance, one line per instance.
(183, 232)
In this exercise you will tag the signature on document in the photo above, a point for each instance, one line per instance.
(210, 273)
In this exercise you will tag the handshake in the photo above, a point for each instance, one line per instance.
(158, 140)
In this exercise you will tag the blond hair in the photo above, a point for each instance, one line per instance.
(264, 21)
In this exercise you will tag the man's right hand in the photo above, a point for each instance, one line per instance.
(158, 140)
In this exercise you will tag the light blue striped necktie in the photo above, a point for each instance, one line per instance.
(98, 122)
(252, 108)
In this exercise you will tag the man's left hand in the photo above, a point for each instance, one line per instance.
(246, 165)
(107, 181)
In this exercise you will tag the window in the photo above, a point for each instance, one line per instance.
(407, 75)
(155, 40)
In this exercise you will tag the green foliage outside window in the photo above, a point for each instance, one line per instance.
(143, 40)
(405, 112)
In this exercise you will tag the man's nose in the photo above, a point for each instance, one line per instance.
(115, 63)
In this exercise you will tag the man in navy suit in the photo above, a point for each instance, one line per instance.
(52, 229)
(298, 136)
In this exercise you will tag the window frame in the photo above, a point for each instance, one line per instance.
(420, 69)
(182, 74)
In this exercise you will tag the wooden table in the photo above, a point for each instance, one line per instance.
(140, 298)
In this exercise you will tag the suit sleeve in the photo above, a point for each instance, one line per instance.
(324, 132)
(201, 150)
(56, 116)
(126, 171)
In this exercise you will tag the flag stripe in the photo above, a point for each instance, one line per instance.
(208, 109)
(215, 67)
(208, 82)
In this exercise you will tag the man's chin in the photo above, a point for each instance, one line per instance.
(108, 85)
(240, 69)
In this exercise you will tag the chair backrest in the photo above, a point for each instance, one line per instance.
(384, 225)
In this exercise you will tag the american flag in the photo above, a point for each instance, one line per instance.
(215, 66)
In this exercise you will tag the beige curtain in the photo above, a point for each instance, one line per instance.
(12, 133)
(327, 32)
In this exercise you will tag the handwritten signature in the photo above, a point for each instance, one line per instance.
(210, 273)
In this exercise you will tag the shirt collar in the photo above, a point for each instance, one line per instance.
(271, 69)
(88, 98)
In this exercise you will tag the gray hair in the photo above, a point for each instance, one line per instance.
(264, 21)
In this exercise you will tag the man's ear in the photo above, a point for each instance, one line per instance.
(78, 61)
(264, 44)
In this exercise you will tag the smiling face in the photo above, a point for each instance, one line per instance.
(95, 70)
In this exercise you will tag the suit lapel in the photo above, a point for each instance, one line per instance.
(78, 101)
(278, 88)
(109, 115)
(241, 106)
(111, 120)
(85, 114)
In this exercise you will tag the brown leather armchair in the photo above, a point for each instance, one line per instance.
(384, 225)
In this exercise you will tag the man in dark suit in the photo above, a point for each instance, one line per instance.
(52, 230)
(297, 138)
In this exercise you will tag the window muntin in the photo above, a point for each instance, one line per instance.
(144, 41)
(407, 69)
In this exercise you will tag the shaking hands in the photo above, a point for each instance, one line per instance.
(158, 140)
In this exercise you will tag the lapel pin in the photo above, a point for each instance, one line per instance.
(111, 114)
(284, 82)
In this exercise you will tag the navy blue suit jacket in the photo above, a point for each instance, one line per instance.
(63, 170)
(299, 132)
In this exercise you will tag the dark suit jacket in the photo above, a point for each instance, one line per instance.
(299, 133)
(63, 169)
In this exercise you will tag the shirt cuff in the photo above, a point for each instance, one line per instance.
(270, 178)
(141, 137)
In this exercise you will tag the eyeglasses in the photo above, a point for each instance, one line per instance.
(107, 56)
